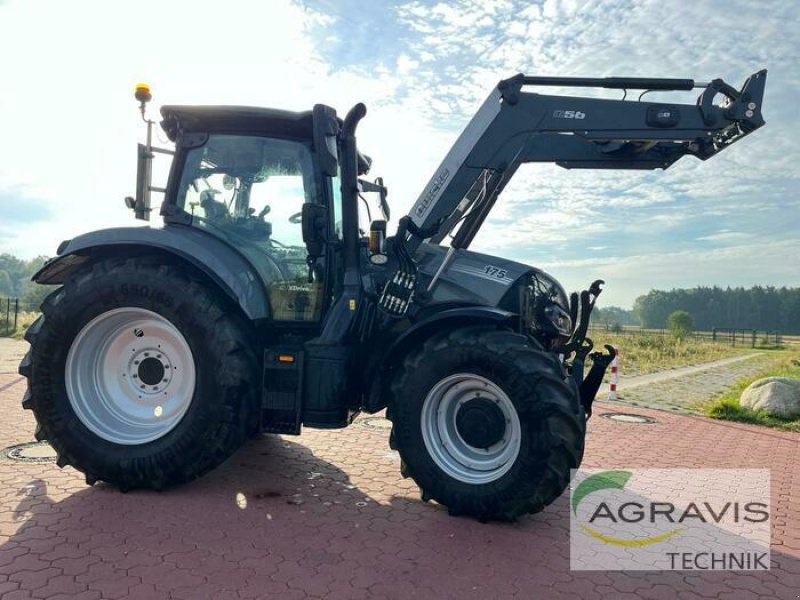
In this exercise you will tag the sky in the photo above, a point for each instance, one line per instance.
(70, 123)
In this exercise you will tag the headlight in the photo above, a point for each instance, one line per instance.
(559, 318)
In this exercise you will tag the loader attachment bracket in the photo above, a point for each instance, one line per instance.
(591, 385)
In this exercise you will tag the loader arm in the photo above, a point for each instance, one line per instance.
(515, 126)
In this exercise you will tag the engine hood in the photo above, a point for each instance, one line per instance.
(475, 278)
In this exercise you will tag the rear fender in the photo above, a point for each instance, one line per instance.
(378, 376)
(217, 260)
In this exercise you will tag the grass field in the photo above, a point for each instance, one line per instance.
(785, 364)
(24, 320)
(642, 354)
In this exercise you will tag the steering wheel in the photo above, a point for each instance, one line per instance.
(296, 218)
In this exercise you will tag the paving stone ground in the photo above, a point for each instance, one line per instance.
(687, 389)
(11, 352)
(327, 515)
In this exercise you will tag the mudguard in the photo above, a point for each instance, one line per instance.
(226, 267)
(374, 377)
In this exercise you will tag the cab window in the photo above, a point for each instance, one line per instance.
(251, 190)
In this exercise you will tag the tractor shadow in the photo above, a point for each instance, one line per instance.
(281, 513)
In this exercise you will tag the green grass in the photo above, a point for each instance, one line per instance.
(641, 354)
(786, 364)
(24, 320)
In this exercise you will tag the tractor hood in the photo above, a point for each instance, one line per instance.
(475, 278)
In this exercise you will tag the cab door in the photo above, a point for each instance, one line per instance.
(250, 190)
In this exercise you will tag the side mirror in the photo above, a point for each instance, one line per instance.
(315, 225)
(326, 131)
(141, 205)
(380, 189)
(387, 213)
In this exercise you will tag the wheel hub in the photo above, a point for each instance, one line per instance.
(148, 371)
(480, 423)
(130, 376)
(471, 428)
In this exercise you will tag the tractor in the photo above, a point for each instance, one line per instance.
(269, 299)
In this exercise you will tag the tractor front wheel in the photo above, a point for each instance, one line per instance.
(487, 423)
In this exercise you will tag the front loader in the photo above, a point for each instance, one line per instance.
(270, 300)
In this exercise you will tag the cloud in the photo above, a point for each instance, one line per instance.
(744, 264)
(725, 236)
(20, 212)
(18, 208)
(423, 68)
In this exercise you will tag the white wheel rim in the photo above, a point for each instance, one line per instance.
(130, 376)
(445, 444)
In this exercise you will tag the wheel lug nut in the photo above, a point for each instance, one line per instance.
(136, 362)
(135, 376)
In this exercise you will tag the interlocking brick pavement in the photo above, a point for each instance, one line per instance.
(327, 515)
(11, 352)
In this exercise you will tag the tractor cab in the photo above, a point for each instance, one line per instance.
(244, 175)
(266, 183)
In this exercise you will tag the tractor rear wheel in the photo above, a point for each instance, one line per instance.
(140, 375)
(487, 423)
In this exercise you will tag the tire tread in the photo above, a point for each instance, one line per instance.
(557, 413)
(195, 457)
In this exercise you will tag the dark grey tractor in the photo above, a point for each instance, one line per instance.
(270, 299)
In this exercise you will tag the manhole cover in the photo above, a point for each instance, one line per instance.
(376, 423)
(39, 452)
(628, 418)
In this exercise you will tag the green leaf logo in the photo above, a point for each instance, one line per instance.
(611, 480)
(599, 481)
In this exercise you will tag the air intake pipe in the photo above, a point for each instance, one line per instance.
(349, 186)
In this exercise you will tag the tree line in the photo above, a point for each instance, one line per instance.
(762, 308)
(15, 280)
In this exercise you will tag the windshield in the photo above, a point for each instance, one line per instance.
(251, 186)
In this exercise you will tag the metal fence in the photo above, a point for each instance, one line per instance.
(9, 315)
(13, 315)
(733, 336)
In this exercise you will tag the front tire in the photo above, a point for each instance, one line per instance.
(140, 374)
(486, 423)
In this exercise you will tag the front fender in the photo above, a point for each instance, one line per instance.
(378, 373)
(217, 260)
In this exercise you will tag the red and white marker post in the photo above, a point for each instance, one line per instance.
(612, 391)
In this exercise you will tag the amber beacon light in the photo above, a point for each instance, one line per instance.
(143, 93)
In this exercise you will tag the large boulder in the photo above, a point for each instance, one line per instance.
(777, 396)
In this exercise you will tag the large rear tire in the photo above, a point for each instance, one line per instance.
(486, 423)
(140, 374)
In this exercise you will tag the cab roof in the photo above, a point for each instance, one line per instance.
(236, 119)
